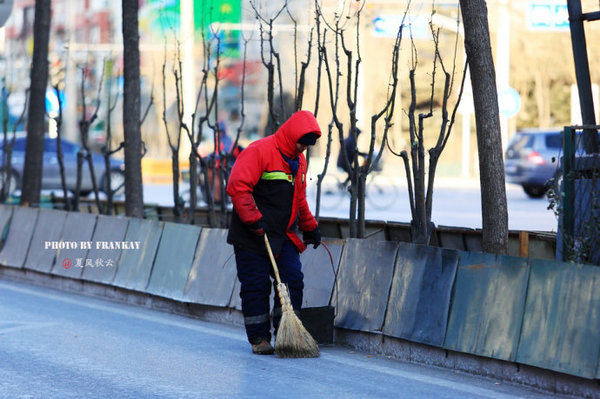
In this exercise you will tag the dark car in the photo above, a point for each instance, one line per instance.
(51, 179)
(530, 159)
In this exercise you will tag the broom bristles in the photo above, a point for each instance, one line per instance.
(293, 340)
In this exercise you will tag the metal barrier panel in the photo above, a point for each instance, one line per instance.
(451, 240)
(6, 212)
(107, 243)
(235, 302)
(420, 296)
(47, 232)
(135, 267)
(212, 276)
(364, 280)
(173, 260)
(561, 325)
(375, 230)
(70, 259)
(473, 242)
(487, 305)
(19, 236)
(398, 232)
(319, 273)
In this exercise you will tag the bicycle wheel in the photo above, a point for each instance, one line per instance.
(381, 191)
(332, 192)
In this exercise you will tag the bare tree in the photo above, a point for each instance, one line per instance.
(420, 170)
(487, 120)
(58, 119)
(134, 199)
(358, 172)
(107, 151)
(84, 153)
(279, 101)
(207, 117)
(174, 139)
(36, 124)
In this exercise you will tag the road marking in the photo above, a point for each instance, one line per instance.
(23, 326)
(336, 358)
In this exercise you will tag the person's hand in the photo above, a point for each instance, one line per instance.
(258, 228)
(312, 237)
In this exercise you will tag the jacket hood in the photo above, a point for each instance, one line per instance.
(299, 124)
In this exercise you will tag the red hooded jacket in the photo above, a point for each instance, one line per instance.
(261, 186)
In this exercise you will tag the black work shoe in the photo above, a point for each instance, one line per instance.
(263, 347)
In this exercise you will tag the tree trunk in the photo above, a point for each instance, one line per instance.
(134, 200)
(487, 120)
(36, 125)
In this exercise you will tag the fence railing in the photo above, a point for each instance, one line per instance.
(576, 196)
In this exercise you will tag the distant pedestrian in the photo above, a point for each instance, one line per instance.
(349, 146)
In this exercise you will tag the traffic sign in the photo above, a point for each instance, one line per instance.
(387, 25)
(548, 15)
(52, 102)
(509, 102)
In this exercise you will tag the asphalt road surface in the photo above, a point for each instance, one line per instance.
(60, 345)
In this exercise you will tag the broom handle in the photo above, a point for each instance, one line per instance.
(284, 296)
(275, 270)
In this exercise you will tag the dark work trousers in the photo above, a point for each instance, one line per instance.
(255, 273)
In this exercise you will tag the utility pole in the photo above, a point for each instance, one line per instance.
(187, 40)
(582, 72)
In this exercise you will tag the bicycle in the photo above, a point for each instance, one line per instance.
(381, 192)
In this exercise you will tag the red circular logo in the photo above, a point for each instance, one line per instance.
(66, 263)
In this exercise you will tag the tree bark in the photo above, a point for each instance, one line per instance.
(36, 125)
(487, 120)
(134, 200)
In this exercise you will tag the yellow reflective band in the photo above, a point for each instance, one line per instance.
(277, 176)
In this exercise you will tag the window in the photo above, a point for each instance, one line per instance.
(554, 141)
(521, 141)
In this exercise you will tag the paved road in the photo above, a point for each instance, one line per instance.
(59, 345)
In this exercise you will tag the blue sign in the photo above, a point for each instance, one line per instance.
(388, 25)
(548, 16)
(509, 102)
(52, 102)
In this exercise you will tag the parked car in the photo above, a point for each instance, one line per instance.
(531, 159)
(51, 179)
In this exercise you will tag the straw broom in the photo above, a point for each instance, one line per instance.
(292, 340)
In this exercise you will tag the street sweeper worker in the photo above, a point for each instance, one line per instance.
(267, 187)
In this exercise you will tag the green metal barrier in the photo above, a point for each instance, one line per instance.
(419, 300)
(135, 267)
(173, 260)
(19, 236)
(487, 305)
(48, 229)
(561, 323)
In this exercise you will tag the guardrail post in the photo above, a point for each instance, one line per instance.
(568, 190)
